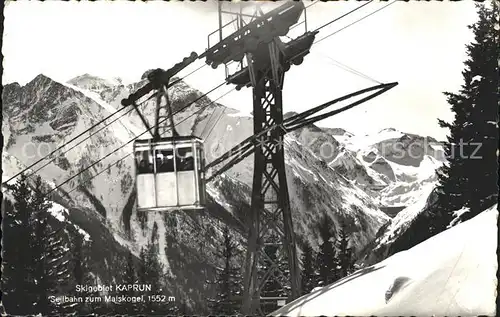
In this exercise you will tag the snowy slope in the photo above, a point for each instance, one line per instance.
(452, 274)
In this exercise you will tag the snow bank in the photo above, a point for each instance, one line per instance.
(452, 273)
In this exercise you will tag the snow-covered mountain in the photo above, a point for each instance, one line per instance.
(450, 274)
(330, 171)
(399, 166)
(401, 175)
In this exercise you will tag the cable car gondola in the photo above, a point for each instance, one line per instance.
(170, 173)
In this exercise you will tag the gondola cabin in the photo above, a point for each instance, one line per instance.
(170, 173)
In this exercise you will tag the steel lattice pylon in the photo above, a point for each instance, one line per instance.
(270, 220)
(256, 43)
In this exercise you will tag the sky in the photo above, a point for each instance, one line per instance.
(420, 45)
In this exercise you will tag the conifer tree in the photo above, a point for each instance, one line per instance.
(49, 254)
(326, 258)
(228, 281)
(345, 252)
(470, 177)
(483, 66)
(142, 276)
(79, 268)
(151, 273)
(36, 258)
(16, 251)
(82, 275)
(129, 278)
(309, 277)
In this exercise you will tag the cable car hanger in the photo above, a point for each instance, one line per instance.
(159, 80)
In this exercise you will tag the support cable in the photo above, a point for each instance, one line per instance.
(215, 124)
(60, 147)
(347, 68)
(359, 20)
(340, 17)
(88, 130)
(183, 120)
(130, 141)
(81, 141)
(208, 121)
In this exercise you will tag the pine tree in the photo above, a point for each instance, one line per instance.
(16, 251)
(151, 273)
(142, 272)
(470, 177)
(35, 262)
(42, 283)
(129, 278)
(79, 270)
(345, 252)
(327, 262)
(49, 253)
(483, 66)
(309, 278)
(82, 274)
(228, 281)
(155, 277)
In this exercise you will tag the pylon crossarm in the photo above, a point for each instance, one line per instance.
(291, 120)
(247, 146)
(298, 123)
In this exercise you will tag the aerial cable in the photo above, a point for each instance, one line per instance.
(347, 68)
(73, 139)
(340, 17)
(208, 121)
(190, 73)
(183, 120)
(310, 5)
(339, 64)
(220, 116)
(211, 116)
(130, 141)
(81, 141)
(88, 130)
(350, 24)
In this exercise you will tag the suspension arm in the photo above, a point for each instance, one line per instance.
(144, 121)
(247, 146)
(301, 122)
